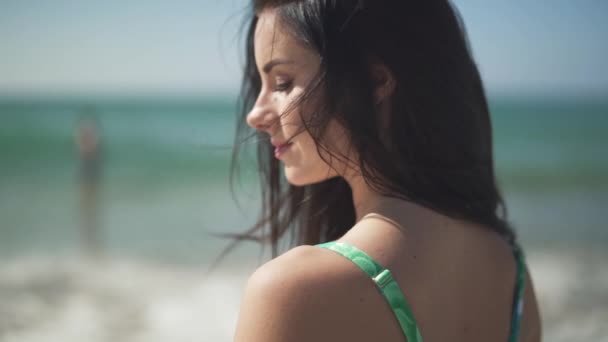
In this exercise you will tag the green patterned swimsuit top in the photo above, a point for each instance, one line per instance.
(390, 290)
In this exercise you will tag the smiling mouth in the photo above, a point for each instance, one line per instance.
(280, 150)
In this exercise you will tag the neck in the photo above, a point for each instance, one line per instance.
(367, 200)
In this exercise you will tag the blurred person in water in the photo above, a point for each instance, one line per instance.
(89, 150)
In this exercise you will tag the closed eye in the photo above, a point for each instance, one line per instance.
(283, 86)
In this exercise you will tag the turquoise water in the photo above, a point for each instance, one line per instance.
(166, 163)
(165, 186)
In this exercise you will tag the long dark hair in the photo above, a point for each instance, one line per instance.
(435, 148)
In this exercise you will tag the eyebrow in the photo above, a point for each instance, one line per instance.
(274, 63)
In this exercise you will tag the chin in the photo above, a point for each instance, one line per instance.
(298, 177)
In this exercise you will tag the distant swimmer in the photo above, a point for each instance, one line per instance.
(88, 144)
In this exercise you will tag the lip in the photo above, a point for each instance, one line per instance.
(281, 149)
(276, 143)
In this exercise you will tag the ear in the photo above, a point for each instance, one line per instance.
(384, 82)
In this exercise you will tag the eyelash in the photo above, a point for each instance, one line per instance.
(282, 86)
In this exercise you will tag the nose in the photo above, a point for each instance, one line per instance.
(261, 116)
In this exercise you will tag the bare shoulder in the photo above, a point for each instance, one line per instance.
(306, 294)
(304, 268)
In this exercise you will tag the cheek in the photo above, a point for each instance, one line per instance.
(291, 123)
(339, 154)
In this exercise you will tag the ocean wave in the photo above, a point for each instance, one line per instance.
(117, 300)
(69, 299)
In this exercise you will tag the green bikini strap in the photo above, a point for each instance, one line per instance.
(385, 283)
(518, 297)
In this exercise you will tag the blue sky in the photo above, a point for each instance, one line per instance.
(190, 47)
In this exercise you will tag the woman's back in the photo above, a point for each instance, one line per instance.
(458, 280)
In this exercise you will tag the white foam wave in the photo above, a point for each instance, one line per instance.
(67, 300)
(45, 299)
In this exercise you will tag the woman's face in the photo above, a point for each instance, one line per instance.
(286, 68)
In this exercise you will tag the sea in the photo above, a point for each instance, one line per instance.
(164, 191)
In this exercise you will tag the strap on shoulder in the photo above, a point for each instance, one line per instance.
(385, 283)
(518, 296)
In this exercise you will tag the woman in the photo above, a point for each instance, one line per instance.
(375, 155)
